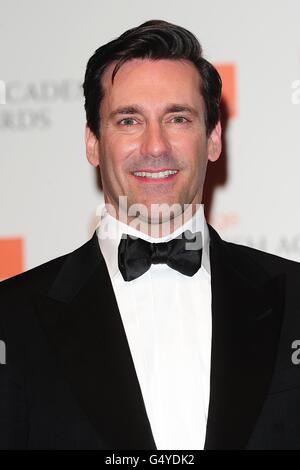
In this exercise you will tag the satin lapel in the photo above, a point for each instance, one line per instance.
(247, 309)
(81, 319)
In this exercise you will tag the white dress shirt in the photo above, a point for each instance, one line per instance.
(167, 320)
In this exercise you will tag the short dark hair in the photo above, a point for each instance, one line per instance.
(155, 39)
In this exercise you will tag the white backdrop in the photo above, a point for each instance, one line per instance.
(48, 191)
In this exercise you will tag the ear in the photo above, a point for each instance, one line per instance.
(215, 143)
(91, 147)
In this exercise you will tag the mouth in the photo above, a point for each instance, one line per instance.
(151, 176)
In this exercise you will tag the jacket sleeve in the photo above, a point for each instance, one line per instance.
(13, 422)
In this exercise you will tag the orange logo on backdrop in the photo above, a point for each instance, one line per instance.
(228, 75)
(11, 257)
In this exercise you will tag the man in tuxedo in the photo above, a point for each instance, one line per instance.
(156, 333)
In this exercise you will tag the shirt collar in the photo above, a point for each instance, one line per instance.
(109, 232)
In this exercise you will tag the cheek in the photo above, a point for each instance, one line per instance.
(193, 152)
(119, 149)
(112, 155)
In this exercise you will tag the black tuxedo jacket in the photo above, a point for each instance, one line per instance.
(69, 381)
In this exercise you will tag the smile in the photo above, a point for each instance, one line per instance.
(155, 175)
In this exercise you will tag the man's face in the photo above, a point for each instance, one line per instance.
(152, 120)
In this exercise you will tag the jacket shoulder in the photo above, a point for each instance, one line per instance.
(270, 262)
(37, 279)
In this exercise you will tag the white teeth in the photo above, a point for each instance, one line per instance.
(161, 174)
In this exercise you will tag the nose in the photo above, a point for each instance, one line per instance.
(155, 141)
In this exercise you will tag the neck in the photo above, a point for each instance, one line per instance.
(156, 228)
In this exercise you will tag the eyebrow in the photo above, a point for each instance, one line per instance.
(171, 108)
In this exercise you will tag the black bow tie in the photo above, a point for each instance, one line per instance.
(136, 255)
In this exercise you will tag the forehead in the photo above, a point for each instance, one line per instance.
(148, 80)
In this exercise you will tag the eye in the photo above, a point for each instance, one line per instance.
(126, 121)
(180, 119)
